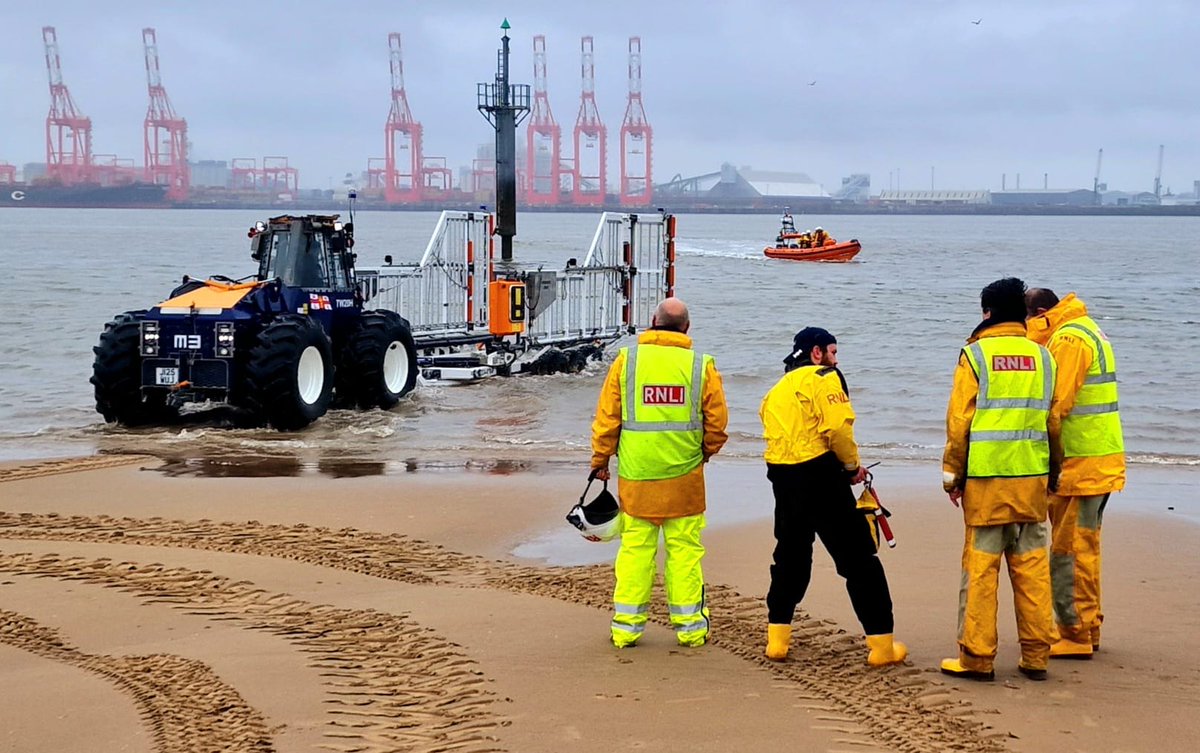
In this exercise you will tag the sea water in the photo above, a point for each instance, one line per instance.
(901, 312)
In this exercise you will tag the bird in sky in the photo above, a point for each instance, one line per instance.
(812, 83)
(977, 21)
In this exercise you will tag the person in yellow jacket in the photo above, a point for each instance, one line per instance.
(1093, 466)
(997, 465)
(820, 237)
(812, 459)
(662, 411)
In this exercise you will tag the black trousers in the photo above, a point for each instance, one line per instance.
(813, 499)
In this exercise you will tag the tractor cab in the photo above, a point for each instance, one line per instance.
(313, 251)
(279, 349)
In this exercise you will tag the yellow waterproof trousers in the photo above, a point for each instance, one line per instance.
(684, 581)
(1075, 565)
(1024, 546)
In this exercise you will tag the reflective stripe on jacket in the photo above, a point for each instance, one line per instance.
(1009, 434)
(807, 414)
(661, 431)
(1075, 357)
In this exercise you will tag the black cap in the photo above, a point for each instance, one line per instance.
(808, 338)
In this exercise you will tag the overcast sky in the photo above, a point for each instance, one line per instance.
(1036, 87)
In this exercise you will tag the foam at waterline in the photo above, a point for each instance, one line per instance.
(732, 250)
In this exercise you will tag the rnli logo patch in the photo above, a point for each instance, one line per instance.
(840, 397)
(316, 301)
(664, 394)
(1014, 363)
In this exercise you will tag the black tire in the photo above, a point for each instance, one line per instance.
(117, 376)
(282, 378)
(379, 362)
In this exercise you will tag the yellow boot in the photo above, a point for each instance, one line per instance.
(1069, 649)
(885, 650)
(955, 668)
(778, 638)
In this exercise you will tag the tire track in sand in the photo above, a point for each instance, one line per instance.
(390, 684)
(897, 707)
(68, 465)
(184, 704)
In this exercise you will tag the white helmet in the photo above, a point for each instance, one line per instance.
(598, 520)
(818, 229)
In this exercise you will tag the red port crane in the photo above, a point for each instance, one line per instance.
(244, 174)
(544, 137)
(278, 178)
(637, 137)
(165, 132)
(376, 175)
(68, 132)
(591, 138)
(402, 176)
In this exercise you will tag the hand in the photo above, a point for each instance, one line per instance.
(955, 497)
(860, 476)
(601, 473)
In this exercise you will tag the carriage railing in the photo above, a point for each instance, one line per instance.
(445, 293)
(628, 269)
(588, 305)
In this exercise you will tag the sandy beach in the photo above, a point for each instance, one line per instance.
(428, 611)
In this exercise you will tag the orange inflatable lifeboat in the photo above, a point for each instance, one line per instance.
(788, 247)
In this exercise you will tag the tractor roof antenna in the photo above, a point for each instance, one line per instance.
(351, 195)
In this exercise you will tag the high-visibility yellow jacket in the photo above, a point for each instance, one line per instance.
(996, 500)
(807, 414)
(1081, 475)
(1012, 409)
(658, 499)
(661, 429)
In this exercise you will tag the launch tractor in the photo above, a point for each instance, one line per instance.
(279, 346)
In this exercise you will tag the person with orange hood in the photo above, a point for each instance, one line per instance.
(662, 411)
(997, 466)
(1093, 463)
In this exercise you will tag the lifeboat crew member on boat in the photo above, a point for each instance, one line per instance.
(662, 411)
(819, 237)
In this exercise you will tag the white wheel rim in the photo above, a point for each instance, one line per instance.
(310, 375)
(395, 367)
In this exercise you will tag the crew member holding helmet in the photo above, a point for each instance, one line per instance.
(662, 411)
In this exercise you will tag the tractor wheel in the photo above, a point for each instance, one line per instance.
(117, 375)
(289, 373)
(379, 361)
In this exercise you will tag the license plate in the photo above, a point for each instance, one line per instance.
(168, 375)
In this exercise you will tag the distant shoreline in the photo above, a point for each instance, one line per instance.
(974, 210)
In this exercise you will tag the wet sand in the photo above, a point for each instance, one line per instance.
(143, 610)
